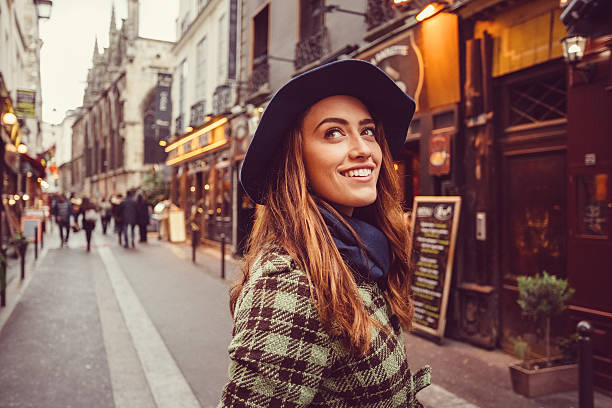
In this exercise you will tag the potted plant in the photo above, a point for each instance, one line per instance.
(541, 298)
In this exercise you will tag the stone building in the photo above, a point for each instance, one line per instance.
(113, 143)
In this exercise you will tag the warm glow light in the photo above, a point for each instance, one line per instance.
(23, 149)
(162, 143)
(16, 197)
(400, 1)
(396, 166)
(429, 11)
(192, 189)
(573, 49)
(206, 187)
(39, 179)
(188, 129)
(26, 197)
(9, 118)
(260, 109)
(208, 128)
(29, 174)
(11, 202)
(195, 152)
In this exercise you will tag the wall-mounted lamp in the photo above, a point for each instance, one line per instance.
(9, 118)
(43, 8)
(163, 143)
(573, 50)
(23, 149)
(430, 10)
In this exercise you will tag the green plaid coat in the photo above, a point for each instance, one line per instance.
(282, 357)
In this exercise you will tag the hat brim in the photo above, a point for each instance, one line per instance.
(384, 99)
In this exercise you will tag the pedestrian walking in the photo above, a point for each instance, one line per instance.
(89, 216)
(116, 212)
(63, 211)
(143, 217)
(129, 215)
(319, 312)
(105, 214)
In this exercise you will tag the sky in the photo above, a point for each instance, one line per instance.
(68, 42)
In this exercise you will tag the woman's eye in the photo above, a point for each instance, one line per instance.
(368, 132)
(333, 133)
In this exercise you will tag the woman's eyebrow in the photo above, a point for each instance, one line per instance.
(344, 121)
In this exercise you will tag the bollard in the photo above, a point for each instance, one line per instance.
(35, 242)
(585, 365)
(42, 235)
(194, 244)
(22, 253)
(3, 280)
(222, 256)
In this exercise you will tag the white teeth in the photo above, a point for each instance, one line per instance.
(358, 173)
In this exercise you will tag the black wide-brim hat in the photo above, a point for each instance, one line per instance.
(387, 103)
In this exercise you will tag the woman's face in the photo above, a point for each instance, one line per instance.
(341, 154)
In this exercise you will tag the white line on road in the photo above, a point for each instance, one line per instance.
(435, 396)
(168, 385)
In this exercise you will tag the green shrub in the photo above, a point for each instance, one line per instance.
(541, 297)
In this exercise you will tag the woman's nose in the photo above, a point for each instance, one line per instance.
(359, 147)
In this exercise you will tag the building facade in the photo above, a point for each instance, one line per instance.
(204, 91)
(20, 112)
(113, 140)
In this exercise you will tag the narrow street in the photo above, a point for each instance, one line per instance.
(145, 327)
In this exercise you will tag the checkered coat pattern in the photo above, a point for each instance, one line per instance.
(282, 357)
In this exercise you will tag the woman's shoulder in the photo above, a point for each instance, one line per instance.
(274, 260)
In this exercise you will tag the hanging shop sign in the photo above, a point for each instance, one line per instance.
(439, 154)
(26, 104)
(423, 61)
(163, 105)
(434, 232)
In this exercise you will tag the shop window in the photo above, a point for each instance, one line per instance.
(593, 198)
(537, 100)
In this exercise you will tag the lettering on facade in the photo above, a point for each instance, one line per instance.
(434, 231)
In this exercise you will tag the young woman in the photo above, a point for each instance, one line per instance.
(326, 286)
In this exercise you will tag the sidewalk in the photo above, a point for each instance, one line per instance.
(464, 376)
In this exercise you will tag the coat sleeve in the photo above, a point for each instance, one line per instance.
(279, 351)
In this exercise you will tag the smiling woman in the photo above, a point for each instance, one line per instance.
(326, 285)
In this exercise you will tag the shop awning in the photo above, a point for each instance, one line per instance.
(34, 165)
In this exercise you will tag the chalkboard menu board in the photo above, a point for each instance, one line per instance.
(434, 232)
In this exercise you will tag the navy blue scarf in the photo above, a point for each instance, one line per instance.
(376, 264)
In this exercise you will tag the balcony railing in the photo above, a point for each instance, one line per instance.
(222, 99)
(260, 75)
(179, 128)
(311, 49)
(382, 11)
(198, 113)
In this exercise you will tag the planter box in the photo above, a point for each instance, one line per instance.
(544, 381)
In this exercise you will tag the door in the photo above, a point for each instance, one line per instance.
(533, 227)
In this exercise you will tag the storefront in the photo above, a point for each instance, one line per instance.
(423, 60)
(201, 183)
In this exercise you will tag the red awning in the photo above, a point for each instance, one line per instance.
(35, 164)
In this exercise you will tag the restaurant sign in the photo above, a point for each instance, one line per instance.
(435, 222)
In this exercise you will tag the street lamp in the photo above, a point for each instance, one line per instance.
(573, 48)
(43, 8)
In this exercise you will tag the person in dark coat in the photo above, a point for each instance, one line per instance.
(143, 217)
(116, 212)
(63, 211)
(129, 215)
(105, 214)
(89, 216)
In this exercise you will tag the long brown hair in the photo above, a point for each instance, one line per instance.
(308, 241)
